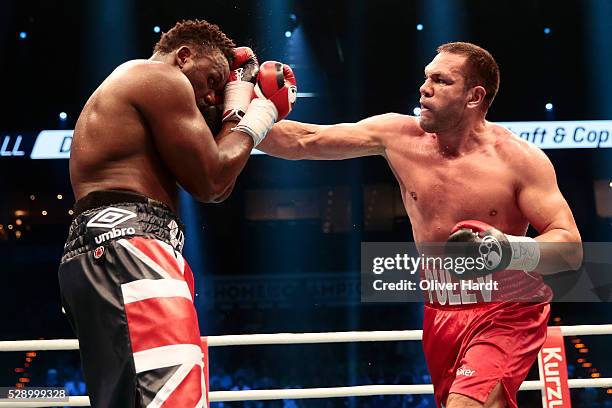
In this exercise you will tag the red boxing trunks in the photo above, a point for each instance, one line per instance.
(469, 350)
(128, 294)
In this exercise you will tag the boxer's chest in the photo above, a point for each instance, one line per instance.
(437, 194)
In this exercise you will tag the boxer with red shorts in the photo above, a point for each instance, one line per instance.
(452, 165)
(126, 288)
(470, 350)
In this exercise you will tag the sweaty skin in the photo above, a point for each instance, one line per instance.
(142, 131)
(468, 169)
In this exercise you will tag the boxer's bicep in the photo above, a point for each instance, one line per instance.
(540, 199)
(180, 134)
(542, 203)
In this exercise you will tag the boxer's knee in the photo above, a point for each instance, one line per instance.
(496, 399)
(461, 401)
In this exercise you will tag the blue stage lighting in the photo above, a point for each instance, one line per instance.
(547, 30)
(63, 116)
(291, 25)
(156, 29)
(549, 106)
(23, 35)
(417, 111)
(419, 27)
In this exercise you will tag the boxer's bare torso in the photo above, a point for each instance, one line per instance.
(439, 186)
(438, 189)
(112, 146)
(142, 130)
(451, 163)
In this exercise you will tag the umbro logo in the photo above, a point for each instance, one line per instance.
(114, 233)
(110, 217)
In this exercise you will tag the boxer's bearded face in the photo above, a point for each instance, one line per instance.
(207, 74)
(443, 94)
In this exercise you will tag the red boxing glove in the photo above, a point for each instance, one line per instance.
(275, 94)
(245, 65)
(474, 225)
(276, 82)
(240, 82)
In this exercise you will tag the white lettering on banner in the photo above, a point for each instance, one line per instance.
(9, 149)
(578, 134)
(52, 144)
(553, 370)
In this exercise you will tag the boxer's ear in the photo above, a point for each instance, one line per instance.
(182, 55)
(476, 96)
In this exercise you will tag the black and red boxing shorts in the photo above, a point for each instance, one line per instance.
(128, 294)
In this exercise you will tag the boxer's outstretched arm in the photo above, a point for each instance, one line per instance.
(204, 168)
(543, 204)
(298, 141)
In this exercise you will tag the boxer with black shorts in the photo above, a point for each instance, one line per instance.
(453, 167)
(125, 287)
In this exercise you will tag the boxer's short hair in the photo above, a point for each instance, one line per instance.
(482, 68)
(200, 34)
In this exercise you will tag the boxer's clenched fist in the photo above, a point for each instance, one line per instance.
(276, 82)
(239, 88)
(498, 251)
(275, 94)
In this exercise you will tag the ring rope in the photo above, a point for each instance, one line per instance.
(291, 338)
(334, 392)
(305, 338)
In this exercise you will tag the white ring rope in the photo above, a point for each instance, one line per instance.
(291, 338)
(355, 391)
(305, 338)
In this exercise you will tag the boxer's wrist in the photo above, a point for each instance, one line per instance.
(525, 253)
(258, 120)
(237, 97)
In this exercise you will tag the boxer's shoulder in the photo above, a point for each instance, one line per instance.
(144, 82)
(517, 152)
(506, 139)
(144, 67)
(394, 124)
(151, 75)
(409, 125)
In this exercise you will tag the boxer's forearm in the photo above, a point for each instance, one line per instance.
(556, 249)
(303, 141)
(560, 250)
(234, 151)
(288, 140)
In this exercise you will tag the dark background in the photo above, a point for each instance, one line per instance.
(295, 224)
